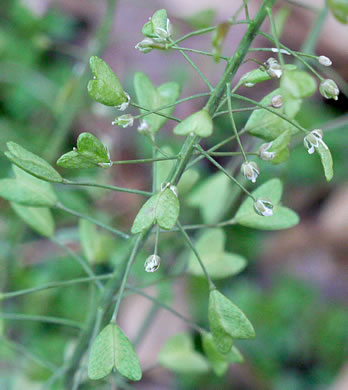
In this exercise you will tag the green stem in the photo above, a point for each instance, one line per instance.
(194, 250)
(80, 261)
(222, 169)
(144, 160)
(47, 319)
(228, 89)
(150, 111)
(107, 187)
(275, 36)
(205, 53)
(95, 221)
(125, 277)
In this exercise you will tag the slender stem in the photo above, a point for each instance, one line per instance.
(24, 351)
(273, 111)
(246, 10)
(156, 239)
(107, 187)
(47, 319)
(194, 250)
(302, 5)
(228, 89)
(166, 307)
(125, 277)
(149, 111)
(275, 36)
(144, 160)
(312, 38)
(205, 53)
(222, 169)
(244, 109)
(96, 222)
(194, 33)
(195, 67)
(82, 263)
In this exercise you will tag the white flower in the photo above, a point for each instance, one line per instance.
(313, 139)
(273, 68)
(152, 263)
(263, 207)
(145, 46)
(323, 60)
(250, 170)
(124, 105)
(264, 154)
(328, 88)
(124, 121)
(283, 51)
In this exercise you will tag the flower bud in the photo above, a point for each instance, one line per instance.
(273, 67)
(250, 170)
(124, 106)
(124, 120)
(323, 60)
(263, 207)
(277, 101)
(312, 140)
(152, 263)
(145, 46)
(328, 88)
(264, 153)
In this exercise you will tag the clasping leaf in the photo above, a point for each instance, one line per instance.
(199, 123)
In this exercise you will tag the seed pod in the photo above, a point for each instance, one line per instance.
(152, 263)
(277, 101)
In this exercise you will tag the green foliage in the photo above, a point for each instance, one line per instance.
(32, 163)
(40, 219)
(339, 8)
(178, 355)
(158, 21)
(227, 322)
(152, 98)
(112, 350)
(294, 86)
(199, 123)
(282, 218)
(326, 160)
(218, 37)
(27, 190)
(219, 361)
(201, 19)
(162, 208)
(263, 124)
(105, 88)
(90, 153)
(219, 264)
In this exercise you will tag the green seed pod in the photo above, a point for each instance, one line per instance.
(329, 89)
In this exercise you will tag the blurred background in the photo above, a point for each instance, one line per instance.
(294, 289)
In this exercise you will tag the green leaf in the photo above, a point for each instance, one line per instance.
(105, 88)
(112, 349)
(40, 219)
(295, 85)
(32, 163)
(266, 125)
(179, 356)
(152, 98)
(27, 190)
(227, 322)
(219, 361)
(89, 239)
(212, 202)
(280, 148)
(90, 153)
(162, 208)
(199, 123)
(280, 20)
(157, 21)
(339, 8)
(282, 218)
(326, 160)
(219, 264)
(258, 75)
